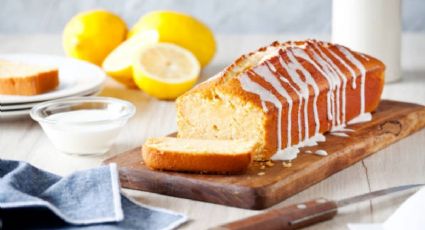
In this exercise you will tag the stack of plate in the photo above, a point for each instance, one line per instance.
(76, 78)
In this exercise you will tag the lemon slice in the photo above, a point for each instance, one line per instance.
(165, 70)
(118, 64)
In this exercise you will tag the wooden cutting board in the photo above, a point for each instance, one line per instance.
(391, 122)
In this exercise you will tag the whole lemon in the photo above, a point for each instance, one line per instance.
(92, 35)
(180, 29)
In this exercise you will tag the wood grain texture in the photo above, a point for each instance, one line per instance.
(391, 122)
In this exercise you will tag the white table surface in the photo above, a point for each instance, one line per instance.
(400, 163)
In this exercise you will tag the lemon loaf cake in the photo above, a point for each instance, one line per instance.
(198, 155)
(283, 97)
(26, 79)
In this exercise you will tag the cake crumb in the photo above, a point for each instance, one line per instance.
(286, 164)
(308, 152)
(261, 173)
(262, 167)
(269, 163)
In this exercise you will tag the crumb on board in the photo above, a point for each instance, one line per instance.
(261, 173)
(308, 151)
(286, 164)
(262, 167)
(269, 163)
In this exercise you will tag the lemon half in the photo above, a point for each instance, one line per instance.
(180, 29)
(118, 64)
(165, 70)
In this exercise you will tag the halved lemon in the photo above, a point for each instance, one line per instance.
(118, 64)
(165, 70)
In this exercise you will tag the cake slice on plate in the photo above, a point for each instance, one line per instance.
(26, 79)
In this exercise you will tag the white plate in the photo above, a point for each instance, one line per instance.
(17, 113)
(7, 107)
(75, 77)
(25, 112)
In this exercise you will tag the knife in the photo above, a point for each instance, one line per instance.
(304, 214)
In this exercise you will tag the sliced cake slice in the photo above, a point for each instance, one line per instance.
(26, 79)
(198, 155)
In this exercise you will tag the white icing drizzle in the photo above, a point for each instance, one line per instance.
(291, 153)
(303, 93)
(344, 84)
(299, 105)
(362, 69)
(340, 134)
(364, 56)
(364, 117)
(341, 128)
(302, 54)
(286, 154)
(313, 141)
(265, 73)
(292, 67)
(321, 152)
(351, 70)
(334, 84)
(273, 69)
(264, 105)
(265, 95)
(336, 80)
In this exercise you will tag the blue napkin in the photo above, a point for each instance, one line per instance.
(90, 199)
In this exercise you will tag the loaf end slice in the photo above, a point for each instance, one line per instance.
(198, 155)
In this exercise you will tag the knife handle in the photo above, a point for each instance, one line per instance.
(290, 217)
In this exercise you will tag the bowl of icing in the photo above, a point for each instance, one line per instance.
(83, 125)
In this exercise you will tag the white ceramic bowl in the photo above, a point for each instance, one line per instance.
(83, 125)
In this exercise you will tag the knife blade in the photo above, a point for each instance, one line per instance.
(304, 214)
(374, 194)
